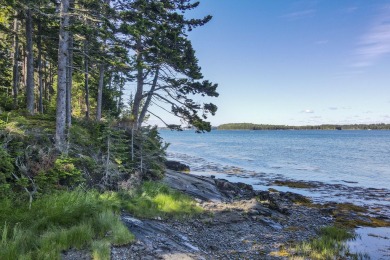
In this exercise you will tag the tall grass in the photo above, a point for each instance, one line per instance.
(330, 244)
(60, 221)
(82, 220)
(155, 199)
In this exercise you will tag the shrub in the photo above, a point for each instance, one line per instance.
(6, 169)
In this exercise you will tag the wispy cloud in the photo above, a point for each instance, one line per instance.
(299, 14)
(307, 111)
(375, 43)
(333, 108)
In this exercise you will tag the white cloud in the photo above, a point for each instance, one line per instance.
(333, 108)
(307, 111)
(376, 42)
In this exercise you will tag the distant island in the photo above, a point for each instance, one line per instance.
(250, 126)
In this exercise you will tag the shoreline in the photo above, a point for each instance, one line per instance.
(240, 222)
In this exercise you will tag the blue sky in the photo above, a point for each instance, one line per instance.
(296, 62)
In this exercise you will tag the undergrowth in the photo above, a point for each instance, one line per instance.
(60, 221)
(83, 220)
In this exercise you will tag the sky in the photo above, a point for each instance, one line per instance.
(295, 62)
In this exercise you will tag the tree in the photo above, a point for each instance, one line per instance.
(167, 70)
(63, 49)
(30, 62)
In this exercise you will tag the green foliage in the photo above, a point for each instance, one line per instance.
(158, 200)
(151, 150)
(101, 250)
(59, 222)
(329, 245)
(68, 174)
(6, 170)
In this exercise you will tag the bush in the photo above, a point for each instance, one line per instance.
(6, 170)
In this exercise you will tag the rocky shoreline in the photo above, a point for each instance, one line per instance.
(239, 223)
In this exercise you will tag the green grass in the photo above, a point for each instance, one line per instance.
(60, 221)
(82, 220)
(154, 199)
(331, 244)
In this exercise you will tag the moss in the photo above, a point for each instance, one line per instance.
(346, 221)
(272, 190)
(295, 184)
(352, 216)
(349, 207)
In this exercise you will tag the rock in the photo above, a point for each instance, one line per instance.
(199, 187)
(177, 166)
(253, 212)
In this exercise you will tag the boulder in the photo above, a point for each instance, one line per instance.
(177, 166)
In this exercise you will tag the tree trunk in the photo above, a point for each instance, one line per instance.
(62, 77)
(15, 72)
(140, 85)
(69, 83)
(100, 93)
(149, 98)
(40, 72)
(30, 63)
(86, 76)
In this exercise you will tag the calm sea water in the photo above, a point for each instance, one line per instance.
(352, 158)
(348, 166)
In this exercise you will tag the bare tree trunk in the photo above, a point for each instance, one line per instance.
(140, 85)
(30, 63)
(100, 93)
(62, 77)
(149, 98)
(86, 76)
(40, 72)
(69, 84)
(50, 82)
(15, 72)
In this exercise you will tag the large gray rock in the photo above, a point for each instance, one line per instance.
(200, 187)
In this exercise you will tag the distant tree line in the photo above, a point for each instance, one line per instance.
(249, 126)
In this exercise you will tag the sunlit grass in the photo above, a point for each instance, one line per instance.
(82, 220)
(331, 244)
(60, 221)
(158, 200)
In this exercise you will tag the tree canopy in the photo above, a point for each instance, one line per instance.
(77, 57)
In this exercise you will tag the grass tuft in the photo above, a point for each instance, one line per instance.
(331, 244)
(101, 250)
(158, 200)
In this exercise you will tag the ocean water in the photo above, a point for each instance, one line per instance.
(346, 166)
(352, 158)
